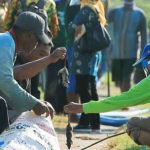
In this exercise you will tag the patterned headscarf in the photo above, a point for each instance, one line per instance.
(96, 5)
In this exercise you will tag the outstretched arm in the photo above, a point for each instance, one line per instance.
(30, 69)
(137, 95)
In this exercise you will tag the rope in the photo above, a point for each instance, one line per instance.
(65, 81)
(103, 140)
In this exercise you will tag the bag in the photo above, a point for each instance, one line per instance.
(30, 132)
(96, 40)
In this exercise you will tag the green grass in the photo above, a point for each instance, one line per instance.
(124, 142)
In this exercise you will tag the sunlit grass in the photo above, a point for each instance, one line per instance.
(124, 142)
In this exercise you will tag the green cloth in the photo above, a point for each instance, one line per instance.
(139, 94)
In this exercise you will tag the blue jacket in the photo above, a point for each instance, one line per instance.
(18, 98)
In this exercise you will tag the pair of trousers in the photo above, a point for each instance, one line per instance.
(86, 88)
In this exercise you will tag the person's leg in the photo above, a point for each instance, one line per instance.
(84, 83)
(4, 119)
(144, 138)
(127, 72)
(118, 66)
(72, 96)
(95, 117)
(125, 86)
(139, 130)
(83, 88)
(117, 72)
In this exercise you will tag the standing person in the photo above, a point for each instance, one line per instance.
(138, 128)
(15, 7)
(55, 92)
(27, 30)
(129, 25)
(72, 96)
(85, 66)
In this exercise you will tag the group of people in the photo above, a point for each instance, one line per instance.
(27, 40)
(33, 41)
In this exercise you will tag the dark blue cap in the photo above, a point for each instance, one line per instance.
(146, 52)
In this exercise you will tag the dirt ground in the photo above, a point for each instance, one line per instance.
(82, 140)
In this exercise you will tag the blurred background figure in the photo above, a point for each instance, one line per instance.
(85, 66)
(130, 32)
(55, 92)
(72, 96)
